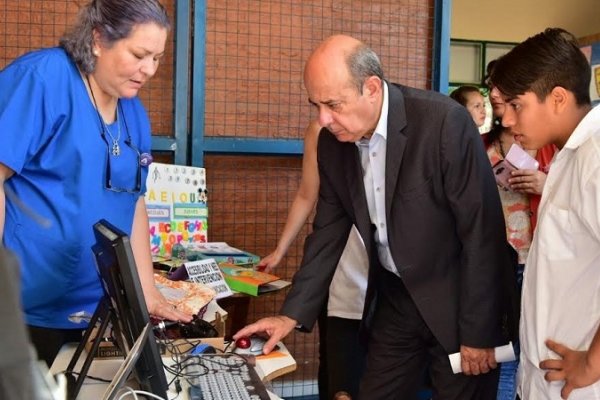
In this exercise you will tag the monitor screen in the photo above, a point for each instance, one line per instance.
(118, 272)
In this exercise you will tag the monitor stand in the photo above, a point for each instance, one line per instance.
(105, 314)
(127, 366)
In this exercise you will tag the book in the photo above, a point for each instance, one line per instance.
(189, 297)
(177, 206)
(273, 286)
(275, 364)
(249, 281)
(221, 252)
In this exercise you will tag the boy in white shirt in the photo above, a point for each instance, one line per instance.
(545, 83)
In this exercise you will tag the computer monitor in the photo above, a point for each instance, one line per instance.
(118, 272)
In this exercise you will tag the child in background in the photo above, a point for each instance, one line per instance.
(471, 98)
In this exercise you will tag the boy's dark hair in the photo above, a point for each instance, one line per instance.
(549, 59)
(460, 94)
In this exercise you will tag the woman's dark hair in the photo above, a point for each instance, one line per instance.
(486, 82)
(549, 59)
(363, 63)
(461, 94)
(113, 20)
(496, 130)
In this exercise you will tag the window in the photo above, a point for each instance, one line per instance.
(469, 58)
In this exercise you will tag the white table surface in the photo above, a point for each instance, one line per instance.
(266, 366)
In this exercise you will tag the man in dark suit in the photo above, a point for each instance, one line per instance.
(408, 168)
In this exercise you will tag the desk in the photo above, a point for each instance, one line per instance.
(268, 367)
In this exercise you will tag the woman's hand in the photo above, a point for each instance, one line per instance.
(158, 306)
(269, 263)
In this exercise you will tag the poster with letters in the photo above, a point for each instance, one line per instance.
(177, 205)
(592, 53)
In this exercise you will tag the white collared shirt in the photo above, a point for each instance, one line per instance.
(372, 153)
(561, 288)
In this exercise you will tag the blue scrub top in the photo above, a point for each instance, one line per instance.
(51, 137)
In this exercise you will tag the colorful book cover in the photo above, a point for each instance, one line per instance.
(177, 205)
(244, 279)
(221, 252)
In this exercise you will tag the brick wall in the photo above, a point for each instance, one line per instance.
(256, 49)
(30, 24)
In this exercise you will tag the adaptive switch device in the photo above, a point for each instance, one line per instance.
(252, 345)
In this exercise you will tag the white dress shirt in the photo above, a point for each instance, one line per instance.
(372, 152)
(561, 288)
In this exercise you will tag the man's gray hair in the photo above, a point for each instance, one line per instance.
(363, 63)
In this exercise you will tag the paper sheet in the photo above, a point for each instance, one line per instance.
(503, 354)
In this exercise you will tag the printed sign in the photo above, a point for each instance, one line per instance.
(177, 206)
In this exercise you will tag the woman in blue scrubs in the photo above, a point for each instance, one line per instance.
(75, 137)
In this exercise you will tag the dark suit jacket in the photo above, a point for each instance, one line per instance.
(444, 219)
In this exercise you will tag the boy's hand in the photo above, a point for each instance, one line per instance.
(573, 368)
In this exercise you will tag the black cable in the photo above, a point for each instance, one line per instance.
(94, 378)
(181, 363)
(228, 343)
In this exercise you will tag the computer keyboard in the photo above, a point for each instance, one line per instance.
(222, 377)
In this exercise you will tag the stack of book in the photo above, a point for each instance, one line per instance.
(249, 281)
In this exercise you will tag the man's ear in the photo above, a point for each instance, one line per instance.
(372, 87)
(559, 98)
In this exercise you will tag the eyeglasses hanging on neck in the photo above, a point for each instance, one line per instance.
(112, 147)
(109, 148)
